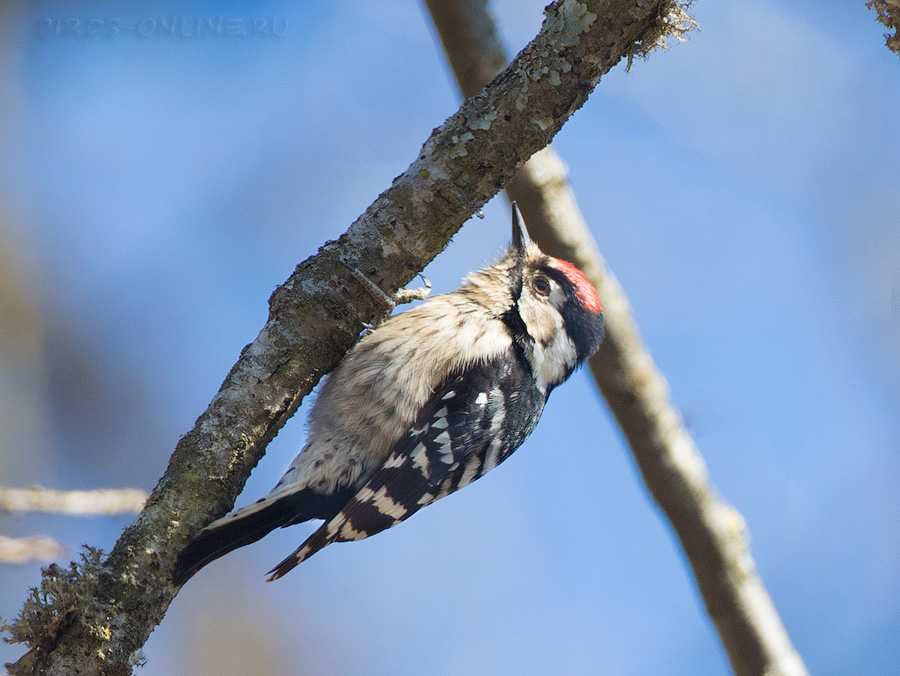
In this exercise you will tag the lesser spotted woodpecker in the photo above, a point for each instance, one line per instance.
(424, 404)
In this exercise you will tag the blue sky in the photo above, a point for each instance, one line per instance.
(744, 188)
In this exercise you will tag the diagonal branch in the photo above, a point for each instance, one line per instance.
(94, 617)
(710, 530)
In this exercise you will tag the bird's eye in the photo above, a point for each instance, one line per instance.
(541, 286)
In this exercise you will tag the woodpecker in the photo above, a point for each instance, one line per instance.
(424, 404)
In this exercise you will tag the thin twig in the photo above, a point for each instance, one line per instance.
(711, 531)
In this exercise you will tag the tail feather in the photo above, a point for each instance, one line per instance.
(337, 528)
(252, 523)
(228, 534)
(313, 543)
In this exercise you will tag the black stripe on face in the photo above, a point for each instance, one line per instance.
(585, 328)
(516, 327)
(560, 278)
(511, 318)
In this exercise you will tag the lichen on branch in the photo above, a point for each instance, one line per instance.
(888, 15)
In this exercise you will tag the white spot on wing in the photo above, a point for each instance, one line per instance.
(348, 533)
(419, 458)
(446, 447)
(395, 461)
(335, 525)
(471, 471)
(481, 399)
(365, 495)
(493, 455)
(386, 505)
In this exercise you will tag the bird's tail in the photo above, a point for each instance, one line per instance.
(253, 522)
(242, 527)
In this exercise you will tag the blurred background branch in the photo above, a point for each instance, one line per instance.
(34, 548)
(711, 531)
(101, 501)
(105, 501)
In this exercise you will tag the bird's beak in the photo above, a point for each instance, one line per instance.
(520, 239)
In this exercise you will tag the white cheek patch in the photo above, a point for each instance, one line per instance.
(553, 363)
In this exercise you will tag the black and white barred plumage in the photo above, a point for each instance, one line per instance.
(428, 402)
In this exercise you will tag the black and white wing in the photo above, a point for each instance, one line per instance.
(471, 424)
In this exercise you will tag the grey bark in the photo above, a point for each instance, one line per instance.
(711, 531)
(94, 617)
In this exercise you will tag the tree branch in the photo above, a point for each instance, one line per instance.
(314, 318)
(711, 531)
